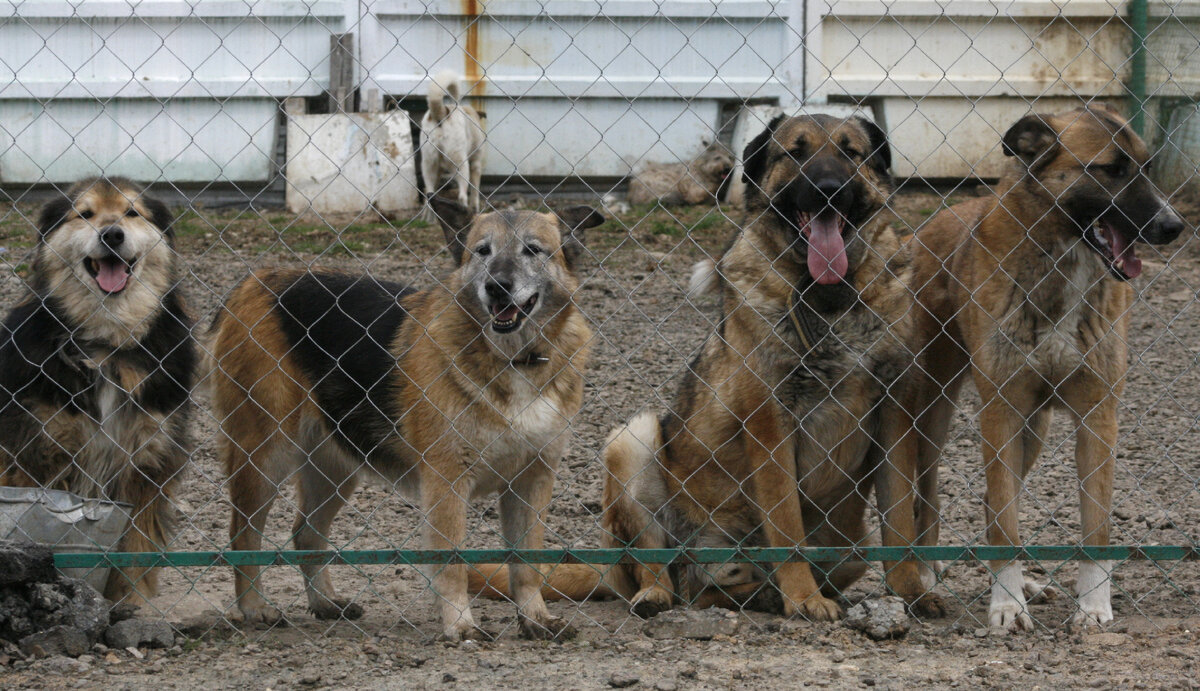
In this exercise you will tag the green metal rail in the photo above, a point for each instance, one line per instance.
(604, 557)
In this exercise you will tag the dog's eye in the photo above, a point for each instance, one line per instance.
(86, 214)
(483, 250)
(532, 250)
(132, 212)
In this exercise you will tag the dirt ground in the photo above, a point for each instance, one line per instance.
(646, 329)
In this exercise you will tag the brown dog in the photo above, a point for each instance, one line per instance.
(773, 439)
(698, 181)
(97, 364)
(1027, 292)
(450, 393)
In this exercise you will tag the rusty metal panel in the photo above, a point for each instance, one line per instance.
(573, 92)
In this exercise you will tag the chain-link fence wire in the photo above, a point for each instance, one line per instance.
(298, 137)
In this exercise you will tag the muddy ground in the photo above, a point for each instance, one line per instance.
(646, 330)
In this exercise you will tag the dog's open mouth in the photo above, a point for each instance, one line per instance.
(1116, 249)
(111, 272)
(507, 318)
(827, 261)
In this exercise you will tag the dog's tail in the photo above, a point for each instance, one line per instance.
(444, 82)
(577, 582)
(704, 279)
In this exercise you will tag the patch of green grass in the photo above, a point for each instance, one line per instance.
(670, 227)
(710, 220)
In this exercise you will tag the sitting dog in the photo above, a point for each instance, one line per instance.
(452, 393)
(1026, 291)
(777, 433)
(452, 144)
(698, 181)
(97, 364)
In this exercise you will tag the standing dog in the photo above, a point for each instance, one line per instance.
(1027, 292)
(453, 144)
(773, 439)
(96, 365)
(454, 392)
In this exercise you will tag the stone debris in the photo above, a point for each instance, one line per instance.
(138, 632)
(700, 625)
(42, 612)
(880, 618)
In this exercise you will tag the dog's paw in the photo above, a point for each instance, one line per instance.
(262, 617)
(549, 629)
(815, 608)
(1084, 621)
(1011, 616)
(336, 608)
(1038, 592)
(930, 573)
(466, 632)
(650, 601)
(927, 606)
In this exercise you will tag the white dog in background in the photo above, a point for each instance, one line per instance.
(452, 142)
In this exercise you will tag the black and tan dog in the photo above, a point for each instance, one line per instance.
(1027, 292)
(772, 439)
(96, 365)
(451, 393)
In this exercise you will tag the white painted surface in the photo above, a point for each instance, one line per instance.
(347, 164)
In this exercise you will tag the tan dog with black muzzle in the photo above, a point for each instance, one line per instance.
(1026, 292)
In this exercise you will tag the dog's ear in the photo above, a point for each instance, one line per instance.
(455, 220)
(1030, 139)
(880, 156)
(577, 219)
(754, 158)
(53, 214)
(160, 215)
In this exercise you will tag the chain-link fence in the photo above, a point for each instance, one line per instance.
(695, 348)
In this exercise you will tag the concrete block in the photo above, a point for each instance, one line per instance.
(346, 163)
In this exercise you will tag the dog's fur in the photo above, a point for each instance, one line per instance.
(771, 440)
(1014, 289)
(452, 393)
(698, 181)
(95, 381)
(452, 144)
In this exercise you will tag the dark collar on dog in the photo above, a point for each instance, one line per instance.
(530, 359)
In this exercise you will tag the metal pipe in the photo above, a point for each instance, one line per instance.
(1138, 21)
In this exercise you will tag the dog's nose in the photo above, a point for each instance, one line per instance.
(113, 237)
(499, 290)
(1167, 226)
(829, 187)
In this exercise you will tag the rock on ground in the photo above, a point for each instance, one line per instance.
(138, 632)
(701, 625)
(880, 618)
(45, 613)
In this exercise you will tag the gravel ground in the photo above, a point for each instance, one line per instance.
(645, 331)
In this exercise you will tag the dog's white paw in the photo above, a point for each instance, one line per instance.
(1095, 596)
(1037, 591)
(1010, 616)
(1008, 609)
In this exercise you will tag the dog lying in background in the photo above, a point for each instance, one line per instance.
(451, 393)
(452, 144)
(698, 181)
(97, 365)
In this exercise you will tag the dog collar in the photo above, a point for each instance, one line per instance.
(530, 359)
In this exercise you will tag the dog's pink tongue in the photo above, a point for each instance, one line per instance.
(112, 275)
(1125, 256)
(827, 262)
(507, 314)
